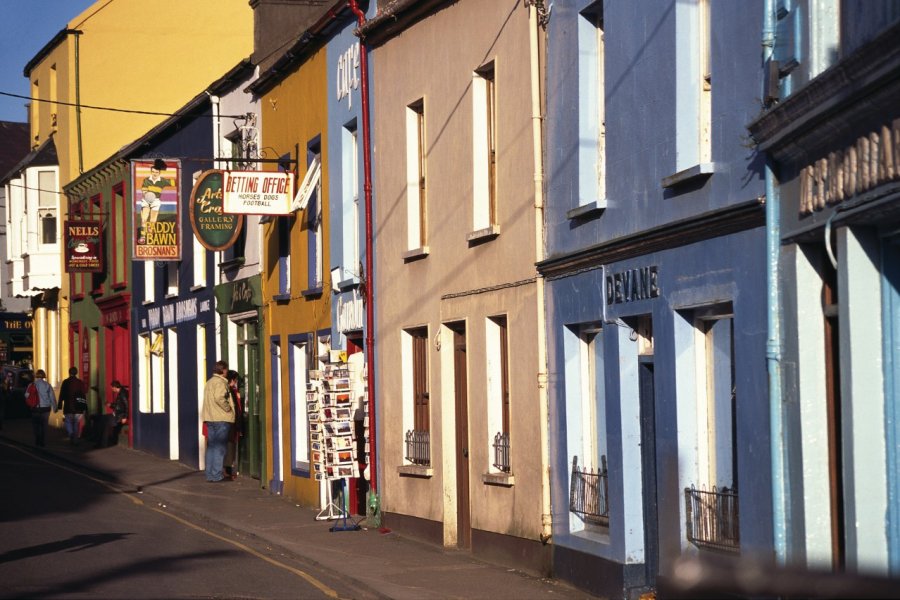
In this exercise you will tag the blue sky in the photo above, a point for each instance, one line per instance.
(25, 26)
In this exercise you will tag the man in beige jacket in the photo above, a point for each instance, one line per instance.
(218, 414)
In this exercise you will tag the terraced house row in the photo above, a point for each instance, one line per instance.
(588, 287)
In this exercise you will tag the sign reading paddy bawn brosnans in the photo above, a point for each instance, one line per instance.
(156, 196)
(215, 229)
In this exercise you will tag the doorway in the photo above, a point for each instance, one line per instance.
(460, 386)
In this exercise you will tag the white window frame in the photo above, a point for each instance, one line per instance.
(415, 175)
(299, 372)
(693, 88)
(591, 108)
(484, 143)
(350, 184)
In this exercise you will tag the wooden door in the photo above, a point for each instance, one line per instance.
(463, 510)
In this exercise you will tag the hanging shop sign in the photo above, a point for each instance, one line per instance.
(213, 228)
(258, 192)
(83, 246)
(156, 196)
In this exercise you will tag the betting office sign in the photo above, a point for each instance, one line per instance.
(258, 192)
(214, 228)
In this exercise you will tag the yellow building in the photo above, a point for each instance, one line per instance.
(296, 277)
(128, 57)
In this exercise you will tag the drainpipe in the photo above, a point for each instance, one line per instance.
(367, 188)
(537, 146)
(77, 35)
(773, 345)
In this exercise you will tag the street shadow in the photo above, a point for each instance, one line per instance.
(76, 543)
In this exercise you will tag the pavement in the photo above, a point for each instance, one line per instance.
(373, 563)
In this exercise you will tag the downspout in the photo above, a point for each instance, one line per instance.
(367, 190)
(773, 345)
(78, 104)
(537, 149)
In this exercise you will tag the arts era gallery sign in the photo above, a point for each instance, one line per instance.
(213, 227)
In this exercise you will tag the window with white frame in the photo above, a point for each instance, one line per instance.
(156, 373)
(149, 281)
(416, 396)
(350, 208)
(299, 377)
(497, 355)
(172, 278)
(586, 420)
(416, 228)
(693, 86)
(47, 206)
(145, 404)
(314, 223)
(591, 107)
(198, 253)
(484, 148)
(716, 397)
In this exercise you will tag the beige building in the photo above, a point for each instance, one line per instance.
(460, 371)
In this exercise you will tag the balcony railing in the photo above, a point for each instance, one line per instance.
(712, 518)
(589, 494)
(501, 452)
(418, 447)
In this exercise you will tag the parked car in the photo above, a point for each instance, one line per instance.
(12, 385)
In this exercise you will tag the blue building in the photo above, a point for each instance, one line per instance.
(656, 289)
(174, 310)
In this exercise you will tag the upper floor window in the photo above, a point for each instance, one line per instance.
(47, 206)
(591, 108)
(484, 148)
(350, 195)
(415, 176)
(314, 224)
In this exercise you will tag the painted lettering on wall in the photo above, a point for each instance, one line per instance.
(350, 312)
(634, 284)
(348, 73)
(874, 159)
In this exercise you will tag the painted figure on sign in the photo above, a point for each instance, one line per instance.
(152, 189)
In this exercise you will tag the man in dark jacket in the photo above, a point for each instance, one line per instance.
(116, 416)
(73, 403)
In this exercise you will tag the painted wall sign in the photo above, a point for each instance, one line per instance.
(114, 316)
(156, 190)
(83, 246)
(348, 73)
(215, 229)
(258, 192)
(874, 159)
(634, 284)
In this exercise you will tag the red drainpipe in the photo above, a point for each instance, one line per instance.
(367, 188)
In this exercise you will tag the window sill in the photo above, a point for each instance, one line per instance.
(499, 479)
(119, 286)
(415, 253)
(77, 297)
(415, 471)
(171, 295)
(688, 175)
(312, 292)
(147, 302)
(483, 235)
(348, 284)
(281, 297)
(588, 210)
(198, 287)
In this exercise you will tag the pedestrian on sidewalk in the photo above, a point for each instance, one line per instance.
(40, 414)
(218, 414)
(116, 415)
(73, 403)
(236, 431)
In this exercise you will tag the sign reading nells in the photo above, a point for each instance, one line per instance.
(83, 246)
(215, 229)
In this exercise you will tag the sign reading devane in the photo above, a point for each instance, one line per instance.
(258, 193)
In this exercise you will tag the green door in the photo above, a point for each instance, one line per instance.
(252, 452)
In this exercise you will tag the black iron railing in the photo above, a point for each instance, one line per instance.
(589, 493)
(501, 452)
(712, 518)
(418, 447)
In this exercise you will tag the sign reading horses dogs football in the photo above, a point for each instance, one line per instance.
(258, 192)
(215, 229)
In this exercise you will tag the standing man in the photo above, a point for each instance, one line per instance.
(116, 415)
(151, 196)
(40, 415)
(218, 414)
(73, 403)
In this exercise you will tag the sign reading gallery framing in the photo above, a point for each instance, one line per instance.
(214, 228)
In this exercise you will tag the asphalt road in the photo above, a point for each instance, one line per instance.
(68, 533)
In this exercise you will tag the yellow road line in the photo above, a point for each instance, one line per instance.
(331, 593)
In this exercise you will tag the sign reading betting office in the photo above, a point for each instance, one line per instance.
(156, 197)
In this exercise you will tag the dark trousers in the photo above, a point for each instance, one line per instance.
(110, 433)
(39, 419)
